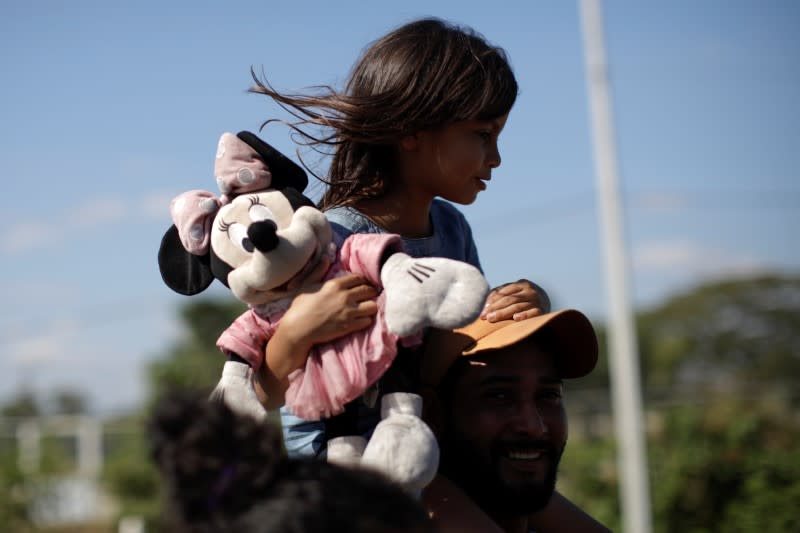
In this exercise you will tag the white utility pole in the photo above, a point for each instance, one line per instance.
(623, 352)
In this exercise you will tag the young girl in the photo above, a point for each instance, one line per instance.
(418, 120)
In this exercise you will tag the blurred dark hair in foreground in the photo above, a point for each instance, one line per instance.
(227, 472)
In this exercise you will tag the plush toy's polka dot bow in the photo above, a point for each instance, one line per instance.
(239, 169)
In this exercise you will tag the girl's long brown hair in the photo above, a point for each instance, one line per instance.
(421, 76)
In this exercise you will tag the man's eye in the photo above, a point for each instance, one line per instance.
(553, 396)
(497, 395)
(484, 134)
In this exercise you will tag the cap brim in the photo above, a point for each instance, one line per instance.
(573, 341)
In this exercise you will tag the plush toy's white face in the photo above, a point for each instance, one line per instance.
(267, 243)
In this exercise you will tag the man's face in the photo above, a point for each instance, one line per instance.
(505, 429)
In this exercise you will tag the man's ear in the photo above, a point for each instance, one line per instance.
(432, 410)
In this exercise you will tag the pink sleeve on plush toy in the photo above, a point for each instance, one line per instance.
(340, 371)
(361, 253)
(247, 337)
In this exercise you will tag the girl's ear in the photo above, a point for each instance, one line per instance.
(410, 143)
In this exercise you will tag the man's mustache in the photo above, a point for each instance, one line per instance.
(526, 445)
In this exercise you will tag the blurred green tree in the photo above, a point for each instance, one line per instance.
(19, 487)
(15, 493)
(195, 361)
(68, 402)
(22, 405)
(720, 369)
(726, 334)
(130, 475)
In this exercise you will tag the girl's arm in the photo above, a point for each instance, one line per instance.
(518, 300)
(320, 314)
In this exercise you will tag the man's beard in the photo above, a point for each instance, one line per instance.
(480, 477)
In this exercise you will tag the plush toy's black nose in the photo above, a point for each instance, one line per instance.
(263, 235)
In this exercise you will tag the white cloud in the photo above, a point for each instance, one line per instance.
(48, 344)
(155, 206)
(27, 236)
(98, 212)
(101, 210)
(692, 258)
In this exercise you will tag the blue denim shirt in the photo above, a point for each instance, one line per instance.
(451, 238)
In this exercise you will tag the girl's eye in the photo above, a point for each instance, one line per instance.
(484, 134)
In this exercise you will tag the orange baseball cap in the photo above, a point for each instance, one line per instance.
(574, 343)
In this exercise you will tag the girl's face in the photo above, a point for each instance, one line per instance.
(454, 162)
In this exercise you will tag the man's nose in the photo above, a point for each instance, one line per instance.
(529, 421)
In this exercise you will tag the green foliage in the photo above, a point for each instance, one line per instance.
(195, 362)
(57, 456)
(133, 479)
(68, 402)
(588, 477)
(731, 466)
(729, 331)
(24, 404)
(18, 488)
(15, 495)
(720, 368)
(732, 456)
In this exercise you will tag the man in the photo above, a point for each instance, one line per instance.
(497, 408)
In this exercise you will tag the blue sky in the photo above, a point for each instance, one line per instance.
(109, 109)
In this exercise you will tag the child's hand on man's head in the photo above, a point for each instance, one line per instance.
(518, 300)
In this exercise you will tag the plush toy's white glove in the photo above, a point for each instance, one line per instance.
(346, 451)
(431, 291)
(402, 446)
(235, 389)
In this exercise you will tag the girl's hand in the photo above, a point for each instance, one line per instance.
(340, 306)
(322, 313)
(518, 300)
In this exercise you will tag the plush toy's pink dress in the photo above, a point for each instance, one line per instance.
(341, 370)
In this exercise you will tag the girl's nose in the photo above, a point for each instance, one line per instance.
(493, 159)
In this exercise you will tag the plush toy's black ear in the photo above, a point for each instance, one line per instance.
(183, 272)
(285, 172)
